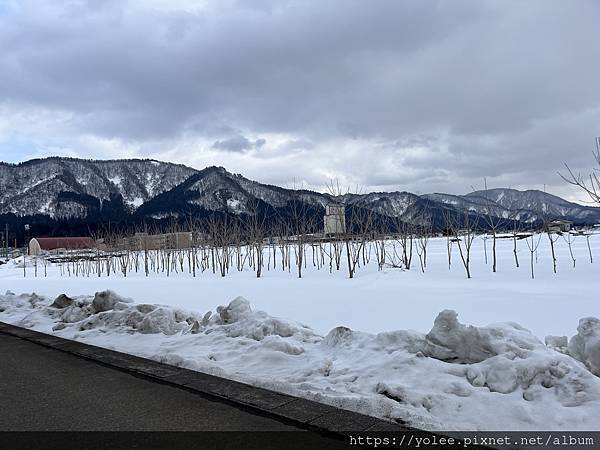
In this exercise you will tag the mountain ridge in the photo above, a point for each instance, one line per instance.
(136, 190)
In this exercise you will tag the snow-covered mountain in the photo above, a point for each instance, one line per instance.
(134, 191)
(216, 189)
(525, 206)
(67, 187)
(540, 203)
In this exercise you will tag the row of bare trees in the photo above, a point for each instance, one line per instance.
(220, 245)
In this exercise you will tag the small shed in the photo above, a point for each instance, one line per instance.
(145, 241)
(38, 246)
(559, 226)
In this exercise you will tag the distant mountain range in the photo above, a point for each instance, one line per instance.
(63, 195)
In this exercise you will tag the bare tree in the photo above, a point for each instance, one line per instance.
(517, 228)
(590, 184)
(587, 237)
(492, 222)
(404, 236)
(255, 230)
(448, 221)
(423, 235)
(553, 237)
(484, 239)
(533, 245)
(464, 234)
(357, 235)
(569, 239)
(380, 242)
(299, 226)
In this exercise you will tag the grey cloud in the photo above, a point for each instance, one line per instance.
(503, 89)
(238, 143)
(233, 144)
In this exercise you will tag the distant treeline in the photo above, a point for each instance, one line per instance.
(293, 219)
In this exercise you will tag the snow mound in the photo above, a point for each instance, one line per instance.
(585, 345)
(469, 344)
(237, 319)
(104, 311)
(19, 303)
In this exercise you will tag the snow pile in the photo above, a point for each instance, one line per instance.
(19, 304)
(455, 342)
(238, 319)
(454, 377)
(109, 311)
(585, 345)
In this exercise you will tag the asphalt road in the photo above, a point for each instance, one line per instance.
(42, 389)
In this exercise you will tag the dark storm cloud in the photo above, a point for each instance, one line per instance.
(503, 89)
(233, 144)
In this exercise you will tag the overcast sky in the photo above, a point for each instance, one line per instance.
(420, 95)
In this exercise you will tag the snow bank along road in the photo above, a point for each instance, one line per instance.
(454, 377)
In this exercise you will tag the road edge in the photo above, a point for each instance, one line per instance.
(296, 411)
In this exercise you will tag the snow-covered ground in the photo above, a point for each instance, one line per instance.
(444, 375)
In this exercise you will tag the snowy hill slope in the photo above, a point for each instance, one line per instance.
(526, 206)
(215, 189)
(65, 187)
(538, 202)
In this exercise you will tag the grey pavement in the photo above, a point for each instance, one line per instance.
(43, 389)
(48, 390)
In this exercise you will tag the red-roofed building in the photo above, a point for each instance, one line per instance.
(38, 246)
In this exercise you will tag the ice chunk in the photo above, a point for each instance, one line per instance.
(338, 336)
(62, 301)
(465, 343)
(195, 329)
(106, 300)
(237, 308)
(161, 320)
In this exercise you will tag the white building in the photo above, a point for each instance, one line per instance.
(335, 219)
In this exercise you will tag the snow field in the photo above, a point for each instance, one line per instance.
(374, 301)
